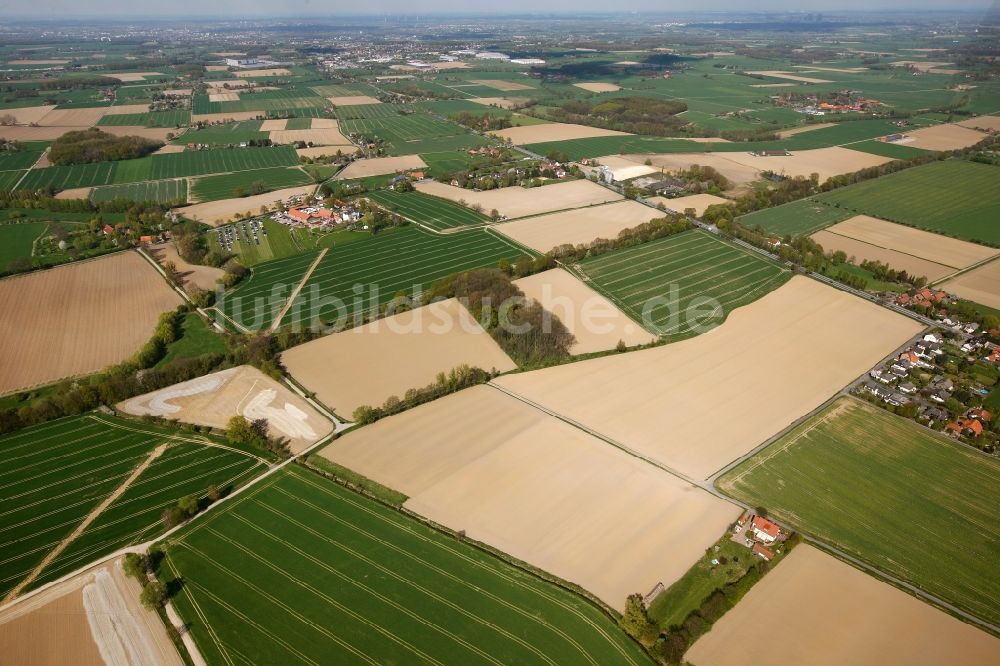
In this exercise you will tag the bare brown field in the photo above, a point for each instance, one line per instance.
(981, 285)
(166, 149)
(844, 70)
(826, 162)
(697, 201)
(784, 134)
(328, 136)
(37, 62)
(922, 244)
(772, 85)
(859, 250)
(202, 277)
(224, 97)
(944, 137)
(324, 123)
(454, 64)
(222, 86)
(272, 125)
(502, 85)
(23, 133)
(538, 488)
(735, 172)
(132, 77)
(777, 74)
(216, 68)
(178, 92)
(583, 225)
(28, 114)
(155, 133)
(73, 117)
(623, 168)
(519, 201)
(353, 100)
(224, 117)
(320, 151)
(77, 319)
(593, 320)
(74, 193)
(983, 123)
(553, 132)
(124, 109)
(825, 612)
(367, 364)
(919, 65)
(211, 400)
(378, 166)
(228, 54)
(501, 102)
(770, 363)
(598, 87)
(252, 73)
(217, 212)
(93, 616)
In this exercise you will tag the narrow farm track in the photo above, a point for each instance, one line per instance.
(298, 288)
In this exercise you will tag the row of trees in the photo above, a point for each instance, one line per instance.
(457, 379)
(667, 225)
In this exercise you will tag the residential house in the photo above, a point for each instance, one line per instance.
(764, 530)
(762, 552)
(907, 388)
(980, 415)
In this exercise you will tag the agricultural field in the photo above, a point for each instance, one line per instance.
(578, 226)
(513, 202)
(79, 487)
(202, 162)
(77, 319)
(408, 259)
(798, 218)
(8, 179)
(227, 134)
(378, 166)
(811, 595)
(528, 483)
(220, 212)
(955, 198)
(17, 240)
(434, 212)
(243, 594)
(255, 302)
(629, 397)
(173, 118)
(981, 285)
(235, 185)
(703, 270)
(837, 477)
(162, 191)
(197, 338)
(410, 134)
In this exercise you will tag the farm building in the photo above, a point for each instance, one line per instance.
(764, 530)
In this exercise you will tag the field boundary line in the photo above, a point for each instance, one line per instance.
(90, 518)
(967, 269)
(298, 288)
(178, 438)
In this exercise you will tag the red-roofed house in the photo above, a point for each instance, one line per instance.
(108, 230)
(764, 530)
(298, 214)
(974, 427)
(980, 415)
(762, 553)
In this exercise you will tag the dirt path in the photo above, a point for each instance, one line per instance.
(85, 523)
(298, 288)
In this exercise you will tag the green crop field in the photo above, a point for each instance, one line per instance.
(211, 188)
(369, 111)
(20, 159)
(414, 133)
(955, 197)
(228, 134)
(431, 211)
(302, 571)
(360, 276)
(223, 160)
(16, 240)
(352, 89)
(799, 218)
(904, 499)
(270, 100)
(163, 191)
(8, 179)
(54, 475)
(172, 118)
(197, 338)
(671, 278)
(83, 175)
(257, 301)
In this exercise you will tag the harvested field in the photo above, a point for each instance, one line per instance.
(574, 227)
(202, 277)
(78, 318)
(860, 251)
(126, 109)
(168, 149)
(777, 74)
(826, 162)
(253, 73)
(216, 68)
(981, 285)
(983, 123)
(74, 193)
(217, 212)
(598, 87)
(324, 123)
(154, 133)
(329, 151)
(831, 613)
(631, 397)
(593, 320)
(540, 489)
(131, 77)
(224, 97)
(79, 621)
(553, 132)
(353, 100)
(500, 84)
(738, 174)
(380, 165)
(919, 245)
(784, 134)
(72, 118)
(502, 102)
(329, 136)
(697, 201)
(24, 133)
(273, 125)
(226, 117)
(28, 114)
(515, 201)
(366, 365)
(622, 168)
(944, 137)
(211, 400)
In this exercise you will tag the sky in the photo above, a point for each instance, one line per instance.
(138, 9)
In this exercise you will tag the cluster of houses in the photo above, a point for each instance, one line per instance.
(922, 297)
(971, 425)
(318, 216)
(844, 101)
(758, 534)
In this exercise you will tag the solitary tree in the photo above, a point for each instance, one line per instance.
(154, 595)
